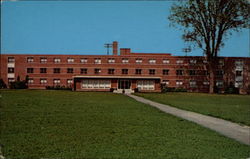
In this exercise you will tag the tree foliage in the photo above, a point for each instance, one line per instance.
(207, 23)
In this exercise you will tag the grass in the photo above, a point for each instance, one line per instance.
(64, 124)
(235, 108)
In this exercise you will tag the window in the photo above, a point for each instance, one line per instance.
(179, 72)
(192, 61)
(205, 72)
(11, 70)
(219, 84)
(179, 61)
(30, 81)
(43, 81)
(192, 83)
(151, 71)
(56, 81)
(165, 61)
(43, 70)
(30, 70)
(238, 84)
(125, 60)
(111, 71)
(138, 71)
(179, 83)
(221, 62)
(43, 60)
(205, 61)
(96, 84)
(11, 80)
(83, 60)
(97, 70)
(238, 63)
(238, 73)
(57, 60)
(57, 70)
(70, 70)
(84, 71)
(166, 82)
(206, 83)
(138, 61)
(69, 81)
(11, 59)
(124, 71)
(111, 60)
(30, 59)
(165, 72)
(70, 60)
(219, 72)
(151, 61)
(98, 61)
(145, 84)
(192, 72)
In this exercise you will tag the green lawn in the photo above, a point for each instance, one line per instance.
(65, 124)
(235, 108)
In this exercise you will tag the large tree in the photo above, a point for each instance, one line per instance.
(207, 23)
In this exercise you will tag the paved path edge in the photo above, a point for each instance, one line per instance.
(224, 127)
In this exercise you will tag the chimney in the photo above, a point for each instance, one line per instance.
(115, 48)
(125, 51)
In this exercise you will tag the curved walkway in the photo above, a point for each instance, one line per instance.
(226, 128)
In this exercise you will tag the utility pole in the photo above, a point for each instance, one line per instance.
(108, 46)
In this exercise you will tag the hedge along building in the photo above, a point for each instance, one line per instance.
(127, 71)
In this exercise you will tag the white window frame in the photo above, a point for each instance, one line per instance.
(98, 61)
(152, 61)
(125, 60)
(192, 83)
(56, 81)
(179, 83)
(111, 60)
(43, 60)
(145, 84)
(138, 61)
(30, 59)
(179, 62)
(84, 60)
(57, 60)
(165, 61)
(96, 84)
(70, 60)
(43, 81)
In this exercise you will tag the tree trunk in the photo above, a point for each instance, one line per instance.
(211, 78)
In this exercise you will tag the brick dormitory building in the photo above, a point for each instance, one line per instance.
(127, 71)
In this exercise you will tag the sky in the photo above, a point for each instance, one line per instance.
(83, 27)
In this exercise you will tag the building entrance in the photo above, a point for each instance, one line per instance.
(124, 84)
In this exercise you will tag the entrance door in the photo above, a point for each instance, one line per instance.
(124, 84)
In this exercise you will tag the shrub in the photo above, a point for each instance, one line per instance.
(58, 87)
(2, 84)
(19, 84)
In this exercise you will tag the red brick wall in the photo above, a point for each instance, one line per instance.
(21, 66)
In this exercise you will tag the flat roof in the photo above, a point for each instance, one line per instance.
(119, 77)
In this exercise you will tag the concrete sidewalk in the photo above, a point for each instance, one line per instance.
(226, 128)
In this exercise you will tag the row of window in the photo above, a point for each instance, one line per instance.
(143, 84)
(193, 83)
(110, 60)
(125, 71)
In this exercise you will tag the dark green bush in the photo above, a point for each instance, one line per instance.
(2, 84)
(58, 87)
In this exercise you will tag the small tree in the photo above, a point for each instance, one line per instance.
(18, 84)
(207, 23)
(2, 84)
